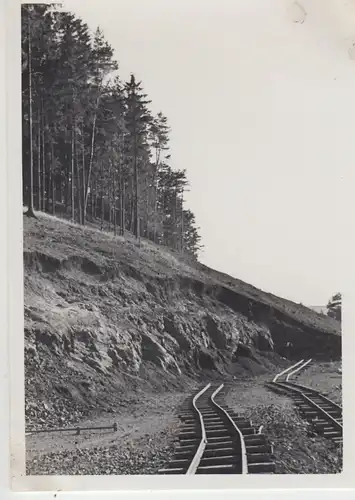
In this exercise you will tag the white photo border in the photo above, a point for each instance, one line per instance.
(169, 486)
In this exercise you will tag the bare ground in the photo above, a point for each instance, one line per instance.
(142, 444)
(325, 377)
(297, 449)
(144, 441)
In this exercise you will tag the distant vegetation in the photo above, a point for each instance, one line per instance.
(92, 149)
(334, 307)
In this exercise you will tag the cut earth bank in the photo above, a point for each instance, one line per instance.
(121, 331)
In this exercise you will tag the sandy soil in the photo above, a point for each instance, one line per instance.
(142, 444)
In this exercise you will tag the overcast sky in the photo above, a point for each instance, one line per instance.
(262, 114)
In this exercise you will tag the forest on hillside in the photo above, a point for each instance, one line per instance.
(92, 150)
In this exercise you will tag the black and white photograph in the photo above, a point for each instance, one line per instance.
(182, 167)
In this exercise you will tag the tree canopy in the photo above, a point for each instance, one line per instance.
(92, 148)
(334, 306)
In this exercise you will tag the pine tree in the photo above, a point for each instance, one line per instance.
(159, 132)
(190, 236)
(171, 186)
(138, 119)
(30, 211)
(102, 64)
(90, 143)
(334, 307)
(31, 16)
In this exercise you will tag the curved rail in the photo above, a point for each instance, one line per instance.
(238, 431)
(287, 370)
(310, 389)
(196, 460)
(316, 409)
(214, 439)
(298, 369)
(335, 422)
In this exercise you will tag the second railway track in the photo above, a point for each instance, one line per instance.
(213, 439)
(323, 414)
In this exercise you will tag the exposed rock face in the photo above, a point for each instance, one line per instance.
(107, 307)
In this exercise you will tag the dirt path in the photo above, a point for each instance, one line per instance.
(142, 443)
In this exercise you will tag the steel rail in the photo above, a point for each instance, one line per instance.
(312, 403)
(298, 369)
(238, 431)
(287, 370)
(321, 396)
(71, 429)
(218, 441)
(337, 424)
(198, 455)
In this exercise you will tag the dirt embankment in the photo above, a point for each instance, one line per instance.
(296, 447)
(106, 317)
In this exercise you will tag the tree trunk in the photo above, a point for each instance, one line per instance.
(129, 203)
(123, 208)
(131, 215)
(61, 198)
(49, 177)
(48, 182)
(136, 203)
(155, 193)
(182, 222)
(43, 164)
(121, 187)
(155, 209)
(83, 216)
(30, 211)
(78, 182)
(67, 185)
(53, 179)
(109, 198)
(39, 161)
(91, 151)
(176, 239)
(163, 220)
(94, 201)
(114, 202)
(72, 172)
(146, 222)
(102, 195)
(176, 242)
(102, 212)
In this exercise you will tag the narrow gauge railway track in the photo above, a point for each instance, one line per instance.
(324, 415)
(213, 439)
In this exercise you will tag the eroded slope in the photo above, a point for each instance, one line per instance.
(106, 317)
